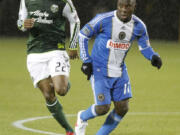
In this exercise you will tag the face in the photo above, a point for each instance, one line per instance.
(125, 9)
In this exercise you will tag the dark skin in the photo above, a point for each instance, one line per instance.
(50, 86)
(73, 54)
(125, 9)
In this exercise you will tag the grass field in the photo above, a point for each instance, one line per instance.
(154, 108)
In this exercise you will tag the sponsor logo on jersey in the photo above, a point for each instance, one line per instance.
(54, 8)
(118, 45)
(41, 17)
(39, 13)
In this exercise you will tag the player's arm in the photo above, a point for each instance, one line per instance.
(23, 23)
(89, 30)
(70, 13)
(86, 33)
(22, 15)
(146, 49)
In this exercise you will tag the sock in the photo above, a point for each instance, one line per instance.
(110, 124)
(57, 112)
(89, 113)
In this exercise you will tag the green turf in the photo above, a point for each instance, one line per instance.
(156, 91)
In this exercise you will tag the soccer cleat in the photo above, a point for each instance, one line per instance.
(80, 127)
(70, 133)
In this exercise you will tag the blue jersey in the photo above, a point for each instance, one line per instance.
(113, 41)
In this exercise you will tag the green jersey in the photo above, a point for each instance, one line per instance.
(48, 32)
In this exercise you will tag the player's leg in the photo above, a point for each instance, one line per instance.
(121, 107)
(90, 113)
(120, 96)
(59, 70)
(94, 110)
(37, 65)
(101, 90)
(61, 84)
(47, 90)
(53, 104)
(101, 106)
(114, 117)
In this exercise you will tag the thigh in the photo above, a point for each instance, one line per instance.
(60, 82)
(122, 103)
(121, 107)
(100, 90)
(59, 64)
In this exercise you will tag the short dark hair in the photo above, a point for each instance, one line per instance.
(129, 1)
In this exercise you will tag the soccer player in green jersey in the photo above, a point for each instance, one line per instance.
(47, 59)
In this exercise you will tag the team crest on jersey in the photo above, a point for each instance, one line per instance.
(54, 8)
(122, 35)
(101, 97)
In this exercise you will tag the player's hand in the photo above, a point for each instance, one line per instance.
(29, 23)
(87, 69)
(156, 61)
(73, 54)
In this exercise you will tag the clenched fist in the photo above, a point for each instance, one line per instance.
(29, 23)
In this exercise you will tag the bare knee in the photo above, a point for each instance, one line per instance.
(49, 96)
(60, 83)
(102, 109)
(122, 107)
(47, 90)
(122, 110)
(61, 89)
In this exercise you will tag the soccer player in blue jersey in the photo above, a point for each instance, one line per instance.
(114, 32)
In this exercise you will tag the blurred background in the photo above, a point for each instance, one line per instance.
(162, 17)
(155, 106)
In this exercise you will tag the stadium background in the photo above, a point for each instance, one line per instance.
(155, 106)
(162, 17)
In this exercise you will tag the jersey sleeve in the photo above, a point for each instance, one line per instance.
(70, 13)
(144, 44)
(89, 30)
(22, 15)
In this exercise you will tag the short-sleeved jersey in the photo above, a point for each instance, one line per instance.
(113, 41)
(48, 32)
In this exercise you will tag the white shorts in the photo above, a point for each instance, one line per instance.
(48, 64)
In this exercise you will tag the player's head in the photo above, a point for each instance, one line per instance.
(125, 9)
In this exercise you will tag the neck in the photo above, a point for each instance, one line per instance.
(123, 20)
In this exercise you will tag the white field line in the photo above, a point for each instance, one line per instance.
(153, 113)
(19, 123)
